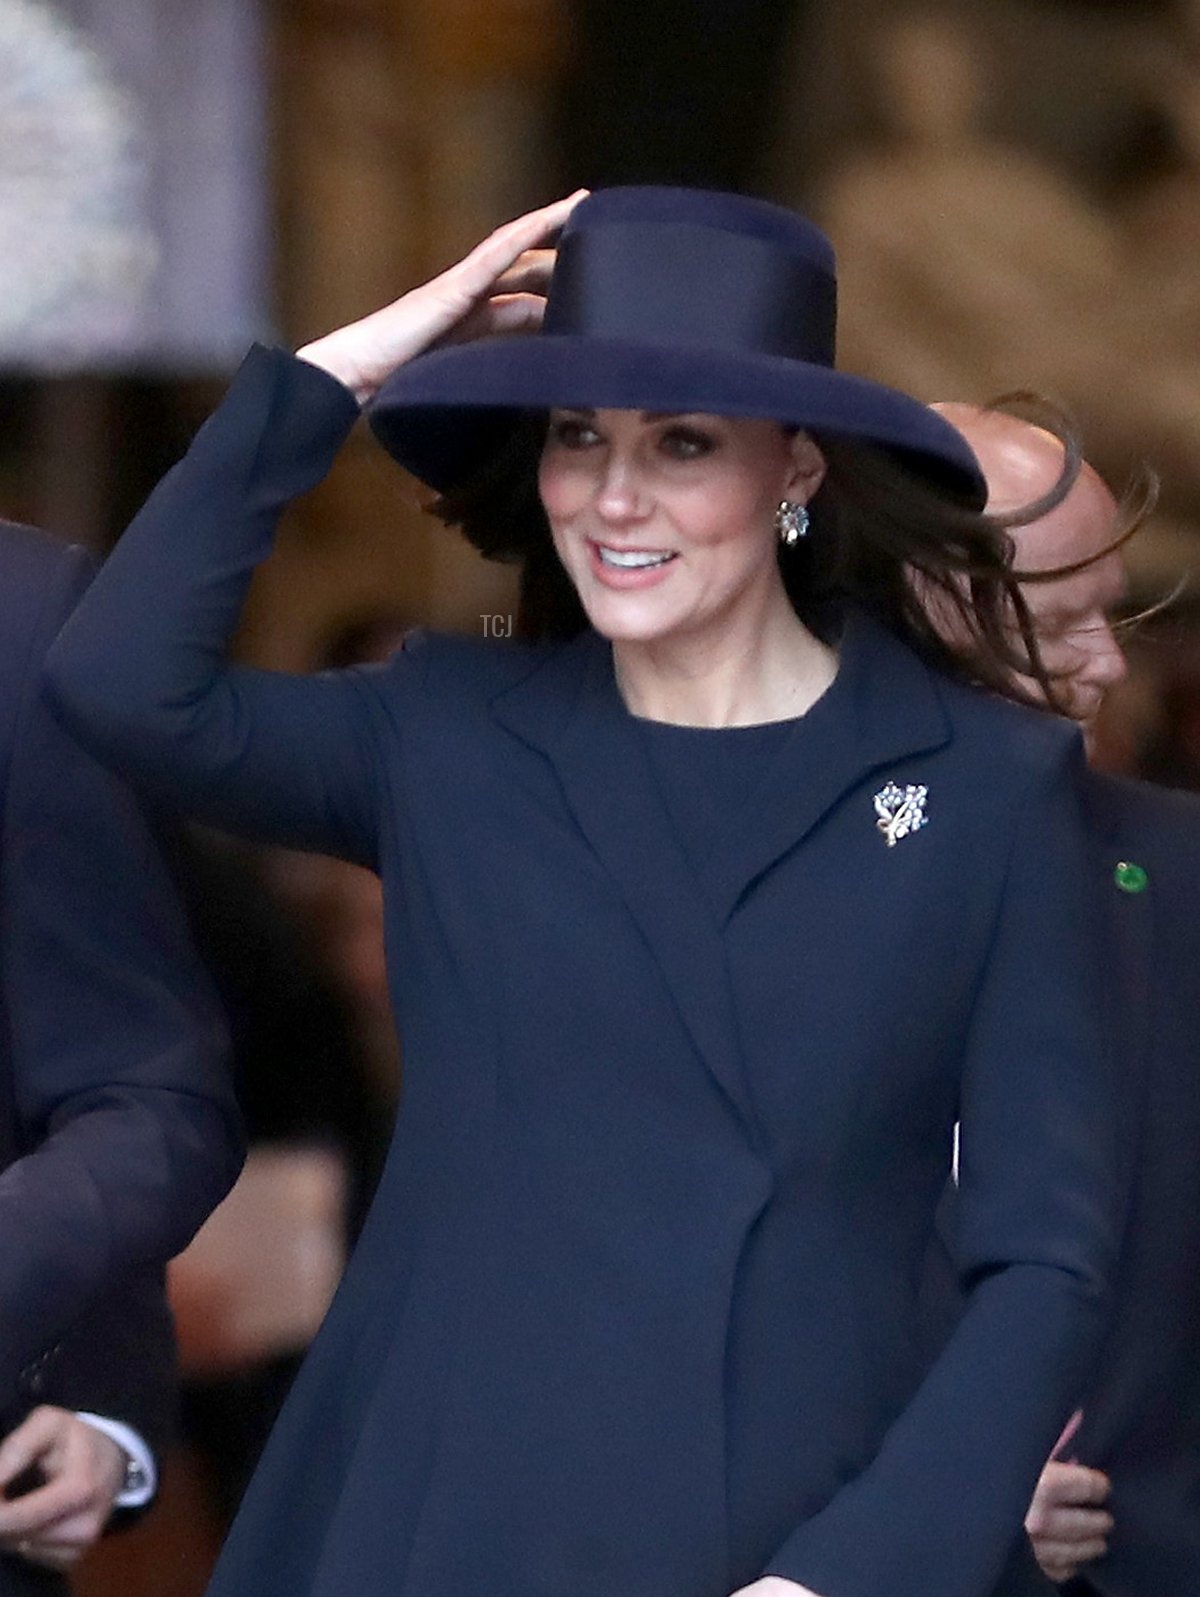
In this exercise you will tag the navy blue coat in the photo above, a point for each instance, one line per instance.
(1142, 1411)
(118, 1130)
(635, 1310)
(1141, 1408)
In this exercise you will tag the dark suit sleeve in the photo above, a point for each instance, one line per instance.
(116, 1047)
(140, 672)
(119, 1361)
(1043, 1172)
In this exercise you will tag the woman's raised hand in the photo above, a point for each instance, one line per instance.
(498, 288)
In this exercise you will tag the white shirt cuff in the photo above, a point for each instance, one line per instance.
(141, 1472)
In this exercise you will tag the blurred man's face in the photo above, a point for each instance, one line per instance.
(1071, 614)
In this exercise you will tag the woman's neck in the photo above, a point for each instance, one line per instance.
(731, 676)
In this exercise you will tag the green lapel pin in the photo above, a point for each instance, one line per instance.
(1130, 878)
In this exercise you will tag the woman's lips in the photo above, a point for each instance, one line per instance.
(628, 568)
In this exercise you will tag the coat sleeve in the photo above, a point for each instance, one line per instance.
(140, 673)
(114, 1043)
(1044, 1169)
(119, 1362)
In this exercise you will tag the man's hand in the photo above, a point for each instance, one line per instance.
(774, 1586)
(82, 1472)
(1067, 1522)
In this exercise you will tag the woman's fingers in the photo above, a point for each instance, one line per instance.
(529, 273)
(510, 261)
(479, 271)
(515, 305)
(504, 314)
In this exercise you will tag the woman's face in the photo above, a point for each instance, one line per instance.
(666, 524)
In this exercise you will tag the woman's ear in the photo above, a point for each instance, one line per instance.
(808, 469)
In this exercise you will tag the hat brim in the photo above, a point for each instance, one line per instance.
(443, 414)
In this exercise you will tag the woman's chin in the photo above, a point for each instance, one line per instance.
(630, 618)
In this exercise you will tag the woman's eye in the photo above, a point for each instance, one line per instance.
(569, 432)
(687, 443)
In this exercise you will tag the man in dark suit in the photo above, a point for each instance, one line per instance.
(118, 1132)
(1117, 1510)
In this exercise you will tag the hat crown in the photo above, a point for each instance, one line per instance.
(710, 208)
(687, 267)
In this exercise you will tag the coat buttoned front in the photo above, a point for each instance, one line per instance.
(635, 1310)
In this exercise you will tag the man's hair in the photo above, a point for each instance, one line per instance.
(1135, 503)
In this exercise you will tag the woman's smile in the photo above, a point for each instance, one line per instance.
(629, 568)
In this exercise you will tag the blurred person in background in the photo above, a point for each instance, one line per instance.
(1172, 754)
(342, 904)
(341, 907)
(1119, 1514)
(317, 1125)
(118, 1131)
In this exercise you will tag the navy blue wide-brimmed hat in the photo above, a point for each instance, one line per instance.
(667, 300)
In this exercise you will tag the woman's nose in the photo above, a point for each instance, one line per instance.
(620, 494)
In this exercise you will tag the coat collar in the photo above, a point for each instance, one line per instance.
(882, 706)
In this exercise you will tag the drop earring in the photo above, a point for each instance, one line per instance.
(791, 522)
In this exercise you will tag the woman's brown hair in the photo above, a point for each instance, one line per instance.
(881, 536)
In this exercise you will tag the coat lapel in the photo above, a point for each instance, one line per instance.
(881, 706)
(572, 712)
